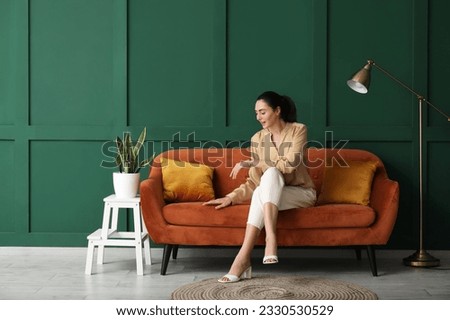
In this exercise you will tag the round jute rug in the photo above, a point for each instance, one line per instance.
(273, 288)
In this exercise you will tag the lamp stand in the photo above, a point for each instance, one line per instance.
(360, 83)
(421, 258)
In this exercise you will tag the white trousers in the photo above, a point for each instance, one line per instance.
(272, 189)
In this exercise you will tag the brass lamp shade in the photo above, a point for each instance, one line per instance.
(361, 80)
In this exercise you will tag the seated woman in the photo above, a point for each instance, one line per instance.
(278, 179)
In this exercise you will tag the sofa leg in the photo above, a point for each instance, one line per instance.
(166, 257)
(372, 260)
(175, 251)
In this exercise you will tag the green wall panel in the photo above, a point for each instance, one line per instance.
(67, 186)
(437, 208)
(6, 66)
(171, 71)
(378, 30)
(439, 53)
(72, 62)
(75, 73)
(7, 178)
(269, 48)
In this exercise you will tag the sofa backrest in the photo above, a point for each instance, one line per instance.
(223, 161)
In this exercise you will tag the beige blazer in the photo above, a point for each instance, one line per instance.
(287, 158)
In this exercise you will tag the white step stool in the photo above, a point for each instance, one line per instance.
(109, 236)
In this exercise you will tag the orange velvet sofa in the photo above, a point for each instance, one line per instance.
(330, 225)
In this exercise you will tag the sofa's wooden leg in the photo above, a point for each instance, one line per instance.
(166, 257)
(372, 260)
(358, 253)
(175, 251)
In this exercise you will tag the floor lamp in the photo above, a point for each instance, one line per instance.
(360, 83)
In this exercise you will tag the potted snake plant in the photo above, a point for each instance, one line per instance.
(126, 181)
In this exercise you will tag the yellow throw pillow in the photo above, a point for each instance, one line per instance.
(186, 181)
(348, 184)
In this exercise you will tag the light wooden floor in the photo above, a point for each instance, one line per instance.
(58, 273)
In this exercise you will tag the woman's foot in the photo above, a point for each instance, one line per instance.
(228, 278)
(270, 259)
(237, 271)
(270, 253)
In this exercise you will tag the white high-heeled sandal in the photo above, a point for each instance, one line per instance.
(270, 259)
(247, 274)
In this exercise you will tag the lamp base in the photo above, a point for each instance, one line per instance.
(421, 258)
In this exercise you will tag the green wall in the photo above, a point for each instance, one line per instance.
(76, 73)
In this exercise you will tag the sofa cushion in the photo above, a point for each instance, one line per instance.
(326, 216)
(347, 184)
(184, 181)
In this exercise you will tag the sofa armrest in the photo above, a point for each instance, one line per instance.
(152, 202)
(384, 200)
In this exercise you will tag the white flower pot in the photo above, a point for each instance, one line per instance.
(126, 185)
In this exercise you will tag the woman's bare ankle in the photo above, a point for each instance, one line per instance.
(271, 247)
(239, 266)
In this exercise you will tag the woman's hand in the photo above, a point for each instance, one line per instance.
(219, 203)
(237, 167)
